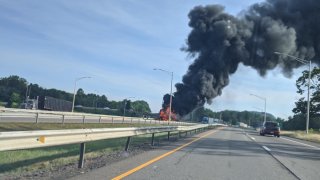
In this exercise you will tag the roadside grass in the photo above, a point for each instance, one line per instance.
(312, 136)
(50, 158)
(54, 126)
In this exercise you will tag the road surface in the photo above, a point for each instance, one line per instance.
(229, 153)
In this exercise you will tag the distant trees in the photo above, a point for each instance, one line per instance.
(14, 100)
(14, 90)
(141, 107)
(252, 118)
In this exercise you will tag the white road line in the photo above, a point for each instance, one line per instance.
(266, 148)
(301, 143)
(252, 138)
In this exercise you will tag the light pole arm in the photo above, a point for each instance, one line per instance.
(296, 58)
(263, 98)
(265, 105)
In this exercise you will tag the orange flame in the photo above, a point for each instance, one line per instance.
(164, 114)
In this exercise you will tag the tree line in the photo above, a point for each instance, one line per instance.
(252, 118)
(14, 90)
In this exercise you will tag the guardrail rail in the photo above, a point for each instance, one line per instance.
(17, 140)
(37, 116)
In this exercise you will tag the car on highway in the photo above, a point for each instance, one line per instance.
(271, 128)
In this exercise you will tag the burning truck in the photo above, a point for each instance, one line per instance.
(165, 111)
(164, 114)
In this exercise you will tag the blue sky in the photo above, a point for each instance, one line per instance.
(118, 43)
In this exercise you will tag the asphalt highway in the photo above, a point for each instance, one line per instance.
(229, 153)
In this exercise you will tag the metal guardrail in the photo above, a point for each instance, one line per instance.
(17, 140)
(37, 116)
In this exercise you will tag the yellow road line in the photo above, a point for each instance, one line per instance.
(158, 158)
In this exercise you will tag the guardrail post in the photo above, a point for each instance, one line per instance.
(63, 119)
(37, 116)
(81, 158)
(169, 136)
(131, 120)
(145, 121)
(152, 140)
(83, 117)
(128, 143)
(100, 119)
(123, 120)
(112, 120)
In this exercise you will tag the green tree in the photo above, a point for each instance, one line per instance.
(15, 100)
(141, 107)
(12, 84)
(300, 111)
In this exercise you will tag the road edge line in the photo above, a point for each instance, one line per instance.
(127, 173)
(300, 143)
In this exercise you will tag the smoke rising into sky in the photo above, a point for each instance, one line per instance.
(218, 42)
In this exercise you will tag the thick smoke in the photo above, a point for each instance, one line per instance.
(219, 42)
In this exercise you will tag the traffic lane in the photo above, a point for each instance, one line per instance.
(227, 154)
(18, 119)
(303, 160)
(256, 133)
(112, 169)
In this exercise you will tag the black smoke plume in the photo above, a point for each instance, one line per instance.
(219, 41)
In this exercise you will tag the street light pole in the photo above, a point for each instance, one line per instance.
(125, 103)
(308, 105)
(194, 111)
(171, 73)
(171, 97)
(259, 110)
(265, 106)
(74, 90)
(303, 61)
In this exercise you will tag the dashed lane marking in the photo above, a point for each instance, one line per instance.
(266, 148)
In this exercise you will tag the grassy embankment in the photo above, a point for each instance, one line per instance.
(20, 161)
(313, 136)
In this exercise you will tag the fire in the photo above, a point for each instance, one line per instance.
(164, 114)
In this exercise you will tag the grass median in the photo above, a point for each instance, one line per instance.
(50, 158)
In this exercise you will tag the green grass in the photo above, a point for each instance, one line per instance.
(54, 126)
(20, 161)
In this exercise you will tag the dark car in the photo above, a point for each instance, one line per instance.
(271, 128)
